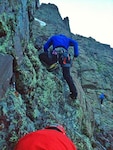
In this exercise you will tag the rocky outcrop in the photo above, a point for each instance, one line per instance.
(66, 21)
(40, 97)
(6, 72)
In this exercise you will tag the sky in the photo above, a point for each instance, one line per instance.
(89, 18)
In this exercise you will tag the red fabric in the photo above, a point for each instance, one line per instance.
(45, 140)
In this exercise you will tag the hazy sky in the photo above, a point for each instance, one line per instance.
(89, 18)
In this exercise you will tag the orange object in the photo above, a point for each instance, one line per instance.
(64, 61)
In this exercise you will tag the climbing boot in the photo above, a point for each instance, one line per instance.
(73, 96)
(53, 67)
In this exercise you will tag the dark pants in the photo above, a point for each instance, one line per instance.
(44, 58)
(101, 100)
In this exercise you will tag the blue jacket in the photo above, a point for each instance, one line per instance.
(102, 96)
(61, 41)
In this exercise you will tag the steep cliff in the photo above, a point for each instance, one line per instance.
(31, 97)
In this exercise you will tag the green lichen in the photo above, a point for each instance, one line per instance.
(5, 19)
(28, 74)
(13, 137)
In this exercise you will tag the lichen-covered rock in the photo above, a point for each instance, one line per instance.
(13, 119)
(2, 31)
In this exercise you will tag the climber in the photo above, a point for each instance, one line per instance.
(52, 137)
(59, 54)
(101, 97)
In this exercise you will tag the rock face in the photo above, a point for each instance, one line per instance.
(40, 97)
(6, 72)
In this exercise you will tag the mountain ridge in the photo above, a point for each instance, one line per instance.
(38, 97)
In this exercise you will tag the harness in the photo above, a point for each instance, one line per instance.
(62, 56)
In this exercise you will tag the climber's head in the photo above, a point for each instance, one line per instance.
(57, 127)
